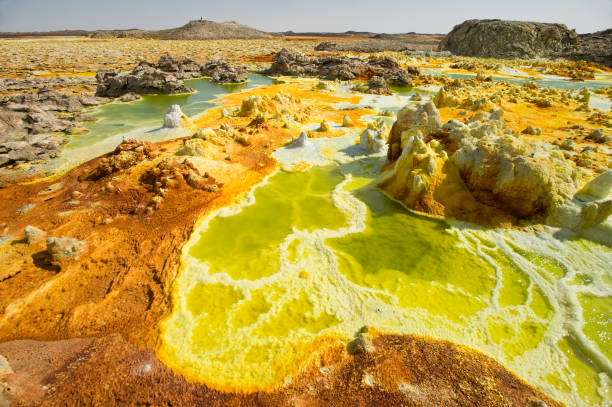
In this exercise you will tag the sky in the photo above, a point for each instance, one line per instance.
(390, 16)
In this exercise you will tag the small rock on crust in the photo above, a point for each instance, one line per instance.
(361, 344)
(301, 140)
(129, 97)
(34, 234)
(63, 248)
(533, 131)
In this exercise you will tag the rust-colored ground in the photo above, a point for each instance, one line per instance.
(400, 371)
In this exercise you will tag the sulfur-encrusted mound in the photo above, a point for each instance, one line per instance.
(482, 172)
(508, 39)
(521, 178)
(414, 119)
(175, 117)
(373, 138)
(126, 155)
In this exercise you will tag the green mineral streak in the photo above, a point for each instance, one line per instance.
(597, 314)
(581, 372)
(297, 315)
(246, 245)
(412, 257)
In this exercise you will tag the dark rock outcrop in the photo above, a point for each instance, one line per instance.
(222, 72)
(376, 85)
(343, 68)
(144, 79)
(29, 124)
(508, 39)
(35, 147)
(218, 69)
(522, 39)
(183, 68)
(596, 47)
(165, 77)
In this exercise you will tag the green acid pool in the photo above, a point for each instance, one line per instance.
(319, 254)
(148, 112)
(142, 120)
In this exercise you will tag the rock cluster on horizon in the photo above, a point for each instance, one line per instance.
(343, 68)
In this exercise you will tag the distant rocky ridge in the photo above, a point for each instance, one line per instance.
(193, 30)
(59, 33)
(386, 42)
(522, 39)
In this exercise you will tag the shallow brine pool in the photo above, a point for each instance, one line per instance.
(318, 254)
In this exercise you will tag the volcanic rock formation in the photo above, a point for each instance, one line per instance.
(222, 72)
(507, 39)
(596, 47)
(181, 68)
(148, 78)
(30, 124)
(144, 79)
(522, 39)
(343, 68)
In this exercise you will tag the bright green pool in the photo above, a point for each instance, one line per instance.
(321, 253)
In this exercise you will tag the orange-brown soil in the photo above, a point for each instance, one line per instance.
(399, 371)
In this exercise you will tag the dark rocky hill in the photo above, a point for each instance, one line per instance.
(523, 39)
(507, 39)
(193, 30)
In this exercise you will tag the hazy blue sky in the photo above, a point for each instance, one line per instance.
(427, 16)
